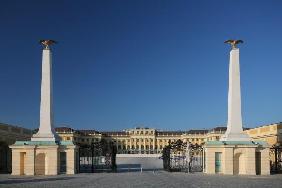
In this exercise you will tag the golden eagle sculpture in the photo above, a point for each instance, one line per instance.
(233, 43)
(47, 42)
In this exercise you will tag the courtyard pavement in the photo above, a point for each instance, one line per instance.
(145, 179)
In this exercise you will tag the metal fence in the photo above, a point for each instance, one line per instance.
(183, 157)
(97, 157)
(275, 155)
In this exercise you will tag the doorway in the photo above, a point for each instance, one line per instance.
(258, 163)
(63, 162)
(218, 162)
(22, 163)
(238, 164)
(40, 166)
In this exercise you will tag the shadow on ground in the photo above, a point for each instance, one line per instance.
(25, 180)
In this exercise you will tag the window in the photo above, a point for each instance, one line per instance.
(68, 138)
(137, 140)
(82, 140)
(146, 132)
(141, 132)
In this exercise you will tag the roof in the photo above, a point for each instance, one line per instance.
(218, 129)
(42, 143)
(115, 133)
(88, 132)
(169, 133)
(199, 131)
(64, 130)
(218, 143)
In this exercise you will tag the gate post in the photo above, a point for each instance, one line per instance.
(92, 157)
(276, 159)
(79, 150)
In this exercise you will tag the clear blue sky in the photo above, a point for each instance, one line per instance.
(119, 64)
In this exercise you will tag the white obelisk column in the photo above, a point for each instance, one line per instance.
(234, 130)
(46, 130)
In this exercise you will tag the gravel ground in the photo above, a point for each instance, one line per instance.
(145, 179)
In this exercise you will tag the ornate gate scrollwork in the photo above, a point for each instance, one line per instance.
(183, 157)
(99, 156)
(275, 155)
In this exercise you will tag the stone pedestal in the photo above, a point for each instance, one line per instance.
(43, 158)
(237, 158)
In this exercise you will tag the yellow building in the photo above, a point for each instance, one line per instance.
(139, 140)
(272, 133)
(9, 135)
(136, 140)
(148, 140)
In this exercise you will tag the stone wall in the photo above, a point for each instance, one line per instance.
(131, 162)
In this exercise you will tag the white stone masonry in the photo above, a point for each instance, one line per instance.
(234, 125)
(46, 130)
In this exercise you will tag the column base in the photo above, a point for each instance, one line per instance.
(44, 137)
(237, 157)
(43, 157)
(235, 137)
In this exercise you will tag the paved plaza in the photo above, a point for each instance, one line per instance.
(145, 179)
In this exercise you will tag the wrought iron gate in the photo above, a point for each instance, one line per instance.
(276, 159)
(183, 157)
(97, 157)
(196, 158)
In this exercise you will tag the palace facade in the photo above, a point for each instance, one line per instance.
(136, 140)
(139, 139)
(148, 140)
